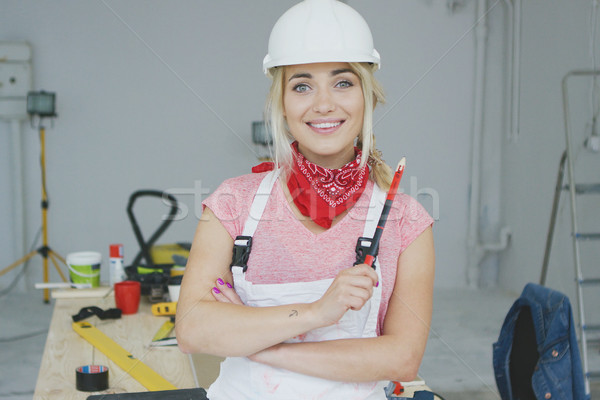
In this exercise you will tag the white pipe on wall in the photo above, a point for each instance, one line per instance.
(509, 69)
(475, 252)
(476, 249)
(17, 189)
(516, 70)
(513, 76)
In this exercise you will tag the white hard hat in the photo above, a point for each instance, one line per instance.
(320, 31)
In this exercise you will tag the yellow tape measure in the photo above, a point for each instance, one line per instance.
(134, 367)
(164, 308)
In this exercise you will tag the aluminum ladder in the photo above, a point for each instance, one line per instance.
(574, 189)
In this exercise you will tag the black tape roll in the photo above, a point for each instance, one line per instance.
(91, 378)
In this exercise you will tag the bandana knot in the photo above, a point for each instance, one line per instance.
(322, 193)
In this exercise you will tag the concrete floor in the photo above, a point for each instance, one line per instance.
(457, 363)
(458, 359)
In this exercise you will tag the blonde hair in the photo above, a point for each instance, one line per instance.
(373, 94)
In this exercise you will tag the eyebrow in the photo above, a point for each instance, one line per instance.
(300, 75)
(309, 76)
(341, 71)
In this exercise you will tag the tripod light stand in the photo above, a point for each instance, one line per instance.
(41, 104)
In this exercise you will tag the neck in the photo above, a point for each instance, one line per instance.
(336, 161)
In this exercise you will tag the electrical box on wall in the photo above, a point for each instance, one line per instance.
(15, 79)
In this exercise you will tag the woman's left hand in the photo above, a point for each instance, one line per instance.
(225, 293)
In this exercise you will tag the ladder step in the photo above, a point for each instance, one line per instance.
(587, 236)
(589, 328)
(593, 342)
(593, 375)
(590, 281)
(585, 188)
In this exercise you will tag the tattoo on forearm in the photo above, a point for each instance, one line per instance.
(294, 313)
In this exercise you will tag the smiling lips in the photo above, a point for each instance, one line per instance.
(325, 126)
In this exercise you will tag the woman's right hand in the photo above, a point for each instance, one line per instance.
(350, 290)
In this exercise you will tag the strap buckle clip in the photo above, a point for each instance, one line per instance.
(363, 244)
(241, 252)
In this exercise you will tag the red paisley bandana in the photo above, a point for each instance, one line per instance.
(322, 193)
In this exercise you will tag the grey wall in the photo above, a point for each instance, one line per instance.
(555, 41)
(162, 94)
(150, 95)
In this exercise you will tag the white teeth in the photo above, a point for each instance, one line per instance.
(326, 125)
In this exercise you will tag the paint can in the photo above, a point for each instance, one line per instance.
(84, 268)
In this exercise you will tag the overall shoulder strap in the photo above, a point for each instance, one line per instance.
(242, 244)
(373, 213)
(375, 206)
(260, 202)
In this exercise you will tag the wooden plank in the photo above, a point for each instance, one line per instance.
(73, 293)
(65, 351)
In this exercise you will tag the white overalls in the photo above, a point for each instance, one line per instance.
(241, 378)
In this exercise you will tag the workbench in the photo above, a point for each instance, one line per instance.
(65, 350)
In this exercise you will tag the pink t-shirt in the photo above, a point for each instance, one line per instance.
(284, 250)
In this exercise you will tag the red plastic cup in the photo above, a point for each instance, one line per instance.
(127, 296)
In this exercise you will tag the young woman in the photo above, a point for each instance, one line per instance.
(271, 282)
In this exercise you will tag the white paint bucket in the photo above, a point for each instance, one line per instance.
(84, 267)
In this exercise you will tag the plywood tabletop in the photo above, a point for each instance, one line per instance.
(65, 350)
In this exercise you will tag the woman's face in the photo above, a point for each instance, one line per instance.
(324, 107)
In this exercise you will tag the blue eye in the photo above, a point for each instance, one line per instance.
(301, 88)
(344, 84)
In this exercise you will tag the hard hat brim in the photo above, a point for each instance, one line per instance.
(343, 56)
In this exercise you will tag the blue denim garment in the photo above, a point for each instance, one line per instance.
(418, 395)
(423, 395)
(558, 370)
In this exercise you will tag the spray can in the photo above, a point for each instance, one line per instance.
(117, 269)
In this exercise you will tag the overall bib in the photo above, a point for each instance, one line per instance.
(241, 378)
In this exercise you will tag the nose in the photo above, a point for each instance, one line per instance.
(323, 102)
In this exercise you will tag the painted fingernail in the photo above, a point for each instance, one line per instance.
(220, 281)
(229, 285)
(377, 284)
(217, 291)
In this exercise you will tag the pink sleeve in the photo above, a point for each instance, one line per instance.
(415, 219)
(231, 201)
